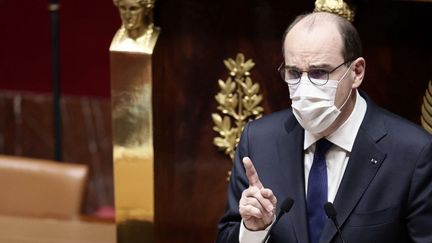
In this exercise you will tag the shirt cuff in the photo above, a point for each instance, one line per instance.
(249, 236)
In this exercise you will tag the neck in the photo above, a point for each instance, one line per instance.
(135, 33)
(345, 113)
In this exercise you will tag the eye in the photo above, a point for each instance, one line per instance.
(318, 73)
(291, 73)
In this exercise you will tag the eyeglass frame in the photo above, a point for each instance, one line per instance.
(282, 68)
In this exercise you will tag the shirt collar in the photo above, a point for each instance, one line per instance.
(345, 135)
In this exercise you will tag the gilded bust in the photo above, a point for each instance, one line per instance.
(137, 33)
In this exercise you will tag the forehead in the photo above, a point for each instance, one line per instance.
(313, 43)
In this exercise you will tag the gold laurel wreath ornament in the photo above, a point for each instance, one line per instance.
(338, 7)
(426, 109)
(238, 101)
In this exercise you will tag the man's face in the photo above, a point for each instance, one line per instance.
(131, 13)
(318, 46)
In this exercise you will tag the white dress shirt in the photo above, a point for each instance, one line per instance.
(336, 158)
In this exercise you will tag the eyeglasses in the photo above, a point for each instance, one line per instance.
(317, 76)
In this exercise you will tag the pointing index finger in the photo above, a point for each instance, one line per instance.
(251, 173)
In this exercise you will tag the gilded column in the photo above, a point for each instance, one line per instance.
(132, 121)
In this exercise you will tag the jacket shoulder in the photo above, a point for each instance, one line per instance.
(274, 122)
(404, 129)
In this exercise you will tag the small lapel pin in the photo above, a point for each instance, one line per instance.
(373, 161)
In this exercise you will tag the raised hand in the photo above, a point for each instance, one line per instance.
(257, 204)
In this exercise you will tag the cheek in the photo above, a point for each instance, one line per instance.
(137, 17)
(343, 91)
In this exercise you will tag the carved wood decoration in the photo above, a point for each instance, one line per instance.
(238, 101)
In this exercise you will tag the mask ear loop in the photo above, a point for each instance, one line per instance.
(349, 95)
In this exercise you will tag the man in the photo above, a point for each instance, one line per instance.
(334, 145)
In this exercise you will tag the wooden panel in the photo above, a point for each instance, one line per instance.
(26, 129)
(87, 139)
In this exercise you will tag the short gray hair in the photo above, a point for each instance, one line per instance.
(351, 39)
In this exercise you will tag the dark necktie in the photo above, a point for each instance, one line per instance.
(317, 191)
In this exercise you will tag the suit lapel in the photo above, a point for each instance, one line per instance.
(291, 157)
(365, 160)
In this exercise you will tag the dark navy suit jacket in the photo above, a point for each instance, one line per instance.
(385, 195)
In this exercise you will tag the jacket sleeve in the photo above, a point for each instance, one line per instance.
(419, 215)
(229, 224)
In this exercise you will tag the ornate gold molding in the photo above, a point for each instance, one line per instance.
(338, 7)
(238, 101)
(426, 109)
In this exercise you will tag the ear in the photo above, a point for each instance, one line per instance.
(359, 67)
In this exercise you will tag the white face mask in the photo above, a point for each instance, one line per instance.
(314, 106)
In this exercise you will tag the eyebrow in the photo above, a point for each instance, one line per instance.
(317, 66)
(322, 66)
